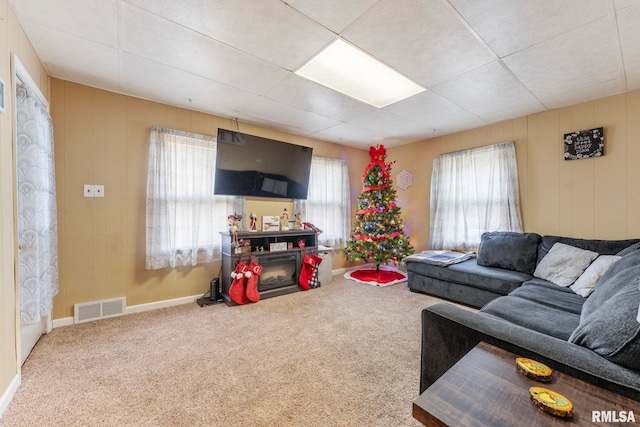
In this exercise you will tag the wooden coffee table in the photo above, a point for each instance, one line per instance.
(484, 389)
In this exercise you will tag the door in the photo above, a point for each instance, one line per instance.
(36, 211)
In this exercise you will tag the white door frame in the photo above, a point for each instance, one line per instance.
(27, 336)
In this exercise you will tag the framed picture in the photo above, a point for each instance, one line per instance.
(584, 144)
(270, 223)
(2, 97)
(278, 246)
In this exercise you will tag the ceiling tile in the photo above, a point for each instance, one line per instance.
(349, 134)
(577, 66)
(270, 124)
(313, 97)
(141, 77)
(165, 42)
(510, 26)
(73, 58)
(629, 32)
(336, 15)
(486, 90)
(510, 113)
(270, 30)
(96, 20)
(291, 116)
(386, 123)
(622, 4)
(422, 40)
(433, 111)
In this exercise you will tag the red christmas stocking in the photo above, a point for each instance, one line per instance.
(252, 281)
(306, 272)
(237, 291)
(314, 282)
(309, 266)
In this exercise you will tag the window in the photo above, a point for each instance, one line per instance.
(473, 191)
(184, 218)
(328, 204)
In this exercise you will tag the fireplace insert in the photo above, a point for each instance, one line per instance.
(279, 270)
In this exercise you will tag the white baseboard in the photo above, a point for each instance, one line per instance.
(9, 393)
(161, 304)
(65, 321)
(68, 321)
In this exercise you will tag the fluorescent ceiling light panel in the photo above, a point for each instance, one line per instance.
(352, 72)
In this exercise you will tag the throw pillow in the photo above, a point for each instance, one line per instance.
(613, 330)
(564, 264)
(509, 250)
(586, 283)
(616, 277)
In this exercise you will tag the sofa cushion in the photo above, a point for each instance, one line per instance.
(564, 264)
(615, 278)
(551, 295)
(470, 273)
(509, 250)
(532, 315)
(612, 330)
(586, 283)
(603, 247)
(546, 284)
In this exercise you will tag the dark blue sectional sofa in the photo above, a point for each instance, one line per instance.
(595, 338)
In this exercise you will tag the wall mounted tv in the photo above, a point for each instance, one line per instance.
(248, 165)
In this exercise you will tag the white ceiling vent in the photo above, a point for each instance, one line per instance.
(96, 310)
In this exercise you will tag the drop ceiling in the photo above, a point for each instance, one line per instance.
(480, 61)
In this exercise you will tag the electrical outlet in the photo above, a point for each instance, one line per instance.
(98, 191)
(89, 190)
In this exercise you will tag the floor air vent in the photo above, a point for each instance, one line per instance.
(96, 310)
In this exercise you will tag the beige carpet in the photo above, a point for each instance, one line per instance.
(344, 354)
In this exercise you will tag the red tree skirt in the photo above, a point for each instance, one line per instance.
(369, 276)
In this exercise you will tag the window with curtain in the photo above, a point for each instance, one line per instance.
(36, 198)
(474, 191)
(328, 204)
(183, 217)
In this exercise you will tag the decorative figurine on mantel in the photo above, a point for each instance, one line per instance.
(253, 220)
(284, 220)
(284, 223)
(309, 226)
(297, 224)
(234, 225)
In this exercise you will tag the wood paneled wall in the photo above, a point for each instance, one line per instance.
(589, 198)
(102, 138)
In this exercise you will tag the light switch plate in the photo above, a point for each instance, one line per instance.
(88, 190)
(98, 191)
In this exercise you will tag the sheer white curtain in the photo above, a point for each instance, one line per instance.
(328, 204)
(184, 219)
(474, 191)
(37, 211)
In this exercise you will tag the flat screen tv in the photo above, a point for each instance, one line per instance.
(248, 165)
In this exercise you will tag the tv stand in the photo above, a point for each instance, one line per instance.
(278, 252)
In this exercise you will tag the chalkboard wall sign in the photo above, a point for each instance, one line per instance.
(584, 144)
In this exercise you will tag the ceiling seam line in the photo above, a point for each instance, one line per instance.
(615, 35)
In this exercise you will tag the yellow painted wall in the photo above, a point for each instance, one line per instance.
(590, 198)
(102, 138)
(12, 40)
